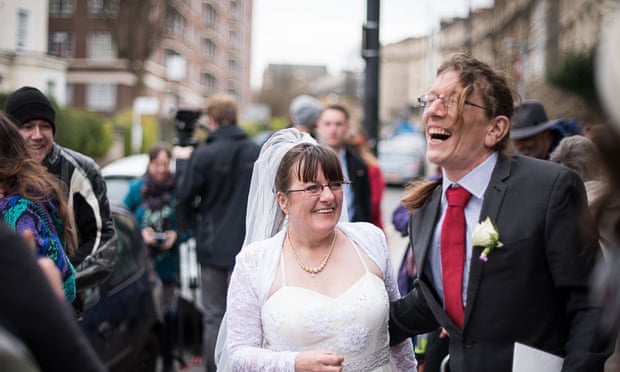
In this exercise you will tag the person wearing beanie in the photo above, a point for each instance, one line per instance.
(27, 104)
(85, 189)
(305, 111)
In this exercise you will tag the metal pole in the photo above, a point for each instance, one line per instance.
(370, 53)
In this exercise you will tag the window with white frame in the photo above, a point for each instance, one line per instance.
(208, 82)
(101, 96)
(235, 10)
(233, 39)
(61, 44)
(69, 94)
(100, 46)
(175, 23)
(62, 8)
(95, 7)
(233, 68)
(208, 48)
(21, 39)
(208, 14)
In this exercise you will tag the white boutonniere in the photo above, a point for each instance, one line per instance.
(486, 236)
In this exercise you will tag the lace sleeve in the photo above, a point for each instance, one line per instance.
(401, 354)
(245, 331)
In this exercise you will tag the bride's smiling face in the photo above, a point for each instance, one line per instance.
(312, 205)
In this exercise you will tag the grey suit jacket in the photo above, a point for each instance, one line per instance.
(533, 289)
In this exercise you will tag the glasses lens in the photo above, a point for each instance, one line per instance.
(335, 186)
(423, 100)
(313, 189)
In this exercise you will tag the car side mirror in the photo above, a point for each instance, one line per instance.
(96, 267)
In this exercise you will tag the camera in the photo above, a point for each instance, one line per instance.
(160, 238)
(185, 123)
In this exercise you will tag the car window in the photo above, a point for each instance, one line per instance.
(117, 188)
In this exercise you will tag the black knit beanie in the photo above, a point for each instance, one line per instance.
(28, 103)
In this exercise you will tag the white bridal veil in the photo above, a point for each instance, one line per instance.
(264, 218)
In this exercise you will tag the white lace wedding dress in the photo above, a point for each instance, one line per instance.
(265, 334)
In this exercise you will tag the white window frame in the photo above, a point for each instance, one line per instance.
(22, 26)
(100, 46)
(101, 96)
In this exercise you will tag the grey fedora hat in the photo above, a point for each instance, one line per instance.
(529, 119)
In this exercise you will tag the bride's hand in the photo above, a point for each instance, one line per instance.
(318, 361)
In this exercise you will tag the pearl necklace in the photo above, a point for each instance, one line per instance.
(311, 270)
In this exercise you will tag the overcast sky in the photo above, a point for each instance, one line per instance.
(328, 32)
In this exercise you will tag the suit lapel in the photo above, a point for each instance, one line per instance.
(421, 228)
(493, 197)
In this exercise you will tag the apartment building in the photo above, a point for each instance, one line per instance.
(23, 50)
(197, 48)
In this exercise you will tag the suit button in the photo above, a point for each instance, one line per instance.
(468, 344)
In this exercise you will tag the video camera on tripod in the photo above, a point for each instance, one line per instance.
(185, 121)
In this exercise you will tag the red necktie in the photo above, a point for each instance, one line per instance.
(453, 252)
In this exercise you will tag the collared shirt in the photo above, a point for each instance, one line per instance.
(348, 191)
(476, 183)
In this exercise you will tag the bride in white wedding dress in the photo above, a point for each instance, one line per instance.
(314, 295)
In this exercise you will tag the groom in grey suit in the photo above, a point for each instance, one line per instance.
(531, 285)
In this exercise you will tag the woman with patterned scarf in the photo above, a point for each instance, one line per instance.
(32, 203)
(151, 199)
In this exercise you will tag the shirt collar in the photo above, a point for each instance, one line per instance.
(477, 180)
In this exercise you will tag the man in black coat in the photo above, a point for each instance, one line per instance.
(218, 174)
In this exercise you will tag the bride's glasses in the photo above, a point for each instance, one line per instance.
(316, 188)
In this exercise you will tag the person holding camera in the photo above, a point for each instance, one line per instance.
(151, 199)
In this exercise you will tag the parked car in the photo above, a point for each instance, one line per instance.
(123, 316)
(118, 175)
(401, 157)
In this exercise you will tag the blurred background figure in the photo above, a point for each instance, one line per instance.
(357, 143)
(607, 207)
(333, 130)
(304, 112)
(218, 175)
(32, 200)
(152, 200)
(532, 133)
(580, 154)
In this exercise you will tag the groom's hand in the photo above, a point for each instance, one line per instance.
(318, 361)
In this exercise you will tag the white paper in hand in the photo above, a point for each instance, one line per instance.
(529, 359)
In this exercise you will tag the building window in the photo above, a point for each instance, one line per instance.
(235, 10)
(208, 82)
(95, 7)
(233, 39)
(101, 96)
(69, 94)
(208, 49)
(208, 15)
(233, 68)
(100, 46)
(21, 40)
(61, 44)
(175, 23)
(61, 8)
(232, 90)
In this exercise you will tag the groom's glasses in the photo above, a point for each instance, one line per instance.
(316, 188)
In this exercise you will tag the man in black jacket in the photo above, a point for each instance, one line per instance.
(83, 183)
(217, 178)
(332, 128)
